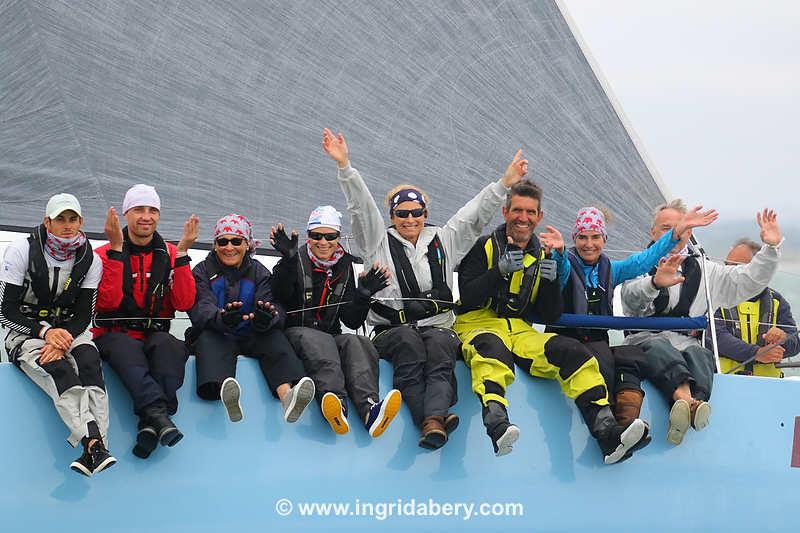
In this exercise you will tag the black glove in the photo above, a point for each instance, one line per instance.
(420, 309)
(232, 314)
(286, 246)
(265, 313)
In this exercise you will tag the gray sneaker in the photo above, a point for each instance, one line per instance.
(229, 393)
(297, 399)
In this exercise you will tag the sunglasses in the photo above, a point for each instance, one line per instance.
(404, 213)
(315, 236)
(236, 241)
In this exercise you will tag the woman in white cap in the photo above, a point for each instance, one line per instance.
(412, 323)
(234, 314)
(48, 337)
(317, 283)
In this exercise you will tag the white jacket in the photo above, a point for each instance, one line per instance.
(457, 237)
(728, 286)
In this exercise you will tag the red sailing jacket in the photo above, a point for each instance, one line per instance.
(179, 296)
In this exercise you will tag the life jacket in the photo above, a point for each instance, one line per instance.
(42, 301)
(749, 321)
(688, 291)
(323, 318)
(583, 300)
(409, 287)
(219, 286)
(129, 315)
(513, 298)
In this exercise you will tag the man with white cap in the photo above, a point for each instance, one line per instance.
(233, 314)
(47, 288)
(145, 279)
(318, 280)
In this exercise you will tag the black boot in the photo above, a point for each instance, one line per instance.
(616, 442)
(147, 436)
(168, 433)
(500, 430)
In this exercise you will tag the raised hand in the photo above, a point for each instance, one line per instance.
(58, 338)
(232, 314)
(775, 335)
(191, 229)
(552, 240)
(770, 353)
(511, 260)
(50, 353)
(667, 272)
(281, 242)
(336, 147)
(694, 218)
(770, 230)
(516, 170)
(375, 279)
(113, 230)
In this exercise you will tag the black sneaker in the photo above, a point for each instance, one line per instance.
(83, 464)
(622, 441)
(101, 458)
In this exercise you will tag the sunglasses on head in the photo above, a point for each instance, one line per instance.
(404, 213)
(316, 236)
(236, 241)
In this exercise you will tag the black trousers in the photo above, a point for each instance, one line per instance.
(424, 362)
(344, 364)
(216, 355)
(619, 365)
(152, 370)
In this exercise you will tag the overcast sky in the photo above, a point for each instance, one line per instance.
(713, 90)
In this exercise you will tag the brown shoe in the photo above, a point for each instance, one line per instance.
(628, 406)
(434, 435)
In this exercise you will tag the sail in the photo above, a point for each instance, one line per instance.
(220, 105)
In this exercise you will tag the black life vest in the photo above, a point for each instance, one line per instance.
(688, 291)
(130, 315)
(514, 298)
(48, 306)
(581, 300)
(409, 287)
(324, 318)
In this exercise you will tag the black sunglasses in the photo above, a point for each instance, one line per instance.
(316, 236)
(236, 241)
(404, 213)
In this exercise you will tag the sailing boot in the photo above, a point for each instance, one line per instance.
(168, 433)
(451, 421)
(502, 432)
(627, 407)
(147, 436)
(434, 435)
(616, 442)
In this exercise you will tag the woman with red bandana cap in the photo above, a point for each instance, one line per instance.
(235, 313)
(588, 278)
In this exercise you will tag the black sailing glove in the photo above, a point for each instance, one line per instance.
(281, 242)
(265, 315)
(368, 284)
(548, 269)
(232, 314)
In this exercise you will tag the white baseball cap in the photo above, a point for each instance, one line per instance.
(141, 195)
(60, 203)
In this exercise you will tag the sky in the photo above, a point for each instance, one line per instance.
(712, 88)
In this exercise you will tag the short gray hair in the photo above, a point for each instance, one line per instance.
(676, 204)
(750, 243)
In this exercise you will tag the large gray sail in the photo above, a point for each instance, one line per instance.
(220, 105)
